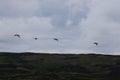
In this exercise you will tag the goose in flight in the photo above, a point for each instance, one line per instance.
(55, 39)
(17, 35)
(95, 43)
(36, 38)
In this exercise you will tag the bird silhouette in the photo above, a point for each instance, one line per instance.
(95, 43)
(36, 38)
(17, 35)
(55, 39)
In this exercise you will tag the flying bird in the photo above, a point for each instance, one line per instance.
(95, 43)
(55, 39)
(36, 38)
(17, 35)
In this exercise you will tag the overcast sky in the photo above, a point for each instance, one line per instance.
(76, 23)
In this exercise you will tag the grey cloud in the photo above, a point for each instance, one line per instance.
(102, 25)
(77, 23)
(13, 8)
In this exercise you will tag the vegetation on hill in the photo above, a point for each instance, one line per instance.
(42, 66)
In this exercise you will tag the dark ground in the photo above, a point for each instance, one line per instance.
(34, 66)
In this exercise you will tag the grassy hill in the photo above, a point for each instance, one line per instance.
(34, 66)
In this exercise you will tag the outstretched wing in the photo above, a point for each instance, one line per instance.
(96, 43)
(17, 35)
(55, 39)
(36, 38)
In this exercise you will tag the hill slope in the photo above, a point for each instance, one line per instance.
(34, 66)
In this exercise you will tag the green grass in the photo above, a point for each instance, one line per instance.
(42, 66)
